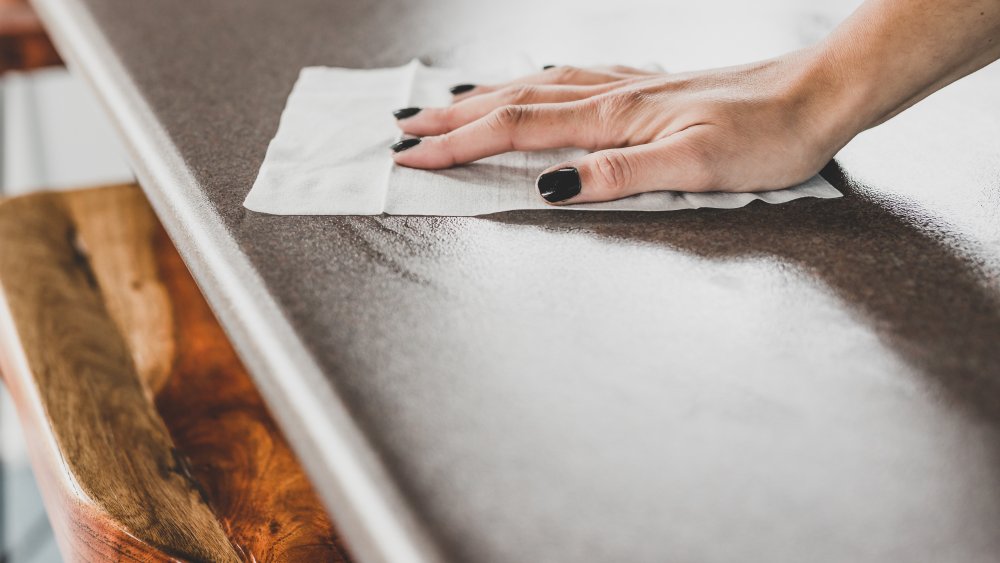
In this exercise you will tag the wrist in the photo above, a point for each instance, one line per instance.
(834, 103)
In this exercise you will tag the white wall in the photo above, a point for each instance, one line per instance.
(55, 135)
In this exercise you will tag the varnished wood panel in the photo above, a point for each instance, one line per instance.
(115, 459)
(248, 471)
(157, 443)
(118, 232)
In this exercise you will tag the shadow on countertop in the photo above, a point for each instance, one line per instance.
(933, 305)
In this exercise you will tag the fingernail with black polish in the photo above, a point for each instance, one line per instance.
(559, 185)
(406, 112)
(547, 67)
(405, 144)
(461, 89)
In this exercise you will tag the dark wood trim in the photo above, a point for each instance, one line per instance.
(24, 44)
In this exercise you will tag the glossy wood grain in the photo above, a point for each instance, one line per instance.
(120, 235)
(109, 452)
(218, 419)
(100, 317)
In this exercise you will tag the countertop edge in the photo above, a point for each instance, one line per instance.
(350, 478)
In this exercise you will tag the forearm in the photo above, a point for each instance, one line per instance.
(890, 54)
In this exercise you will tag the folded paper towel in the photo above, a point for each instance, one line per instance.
(331, 157)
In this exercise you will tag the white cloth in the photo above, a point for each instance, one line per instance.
(331, 156)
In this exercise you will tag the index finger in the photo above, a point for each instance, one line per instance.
(510, 128)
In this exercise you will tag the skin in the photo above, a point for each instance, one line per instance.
(761, 126)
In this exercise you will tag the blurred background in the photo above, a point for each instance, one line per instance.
(53, 135)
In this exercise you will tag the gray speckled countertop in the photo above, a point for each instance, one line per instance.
(817, 381)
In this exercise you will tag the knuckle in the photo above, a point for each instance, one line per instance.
(606, 109)
(508, 117)
(597, 123)
(591, 105)
(519, 94)
(632, 98)
(620, 103)
(614, 170)
(446, 145)
(450, 117)
(612, 120)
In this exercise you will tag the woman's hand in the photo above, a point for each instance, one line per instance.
(749, 128)
(762, 126)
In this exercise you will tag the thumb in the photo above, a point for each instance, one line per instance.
(673, 163)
